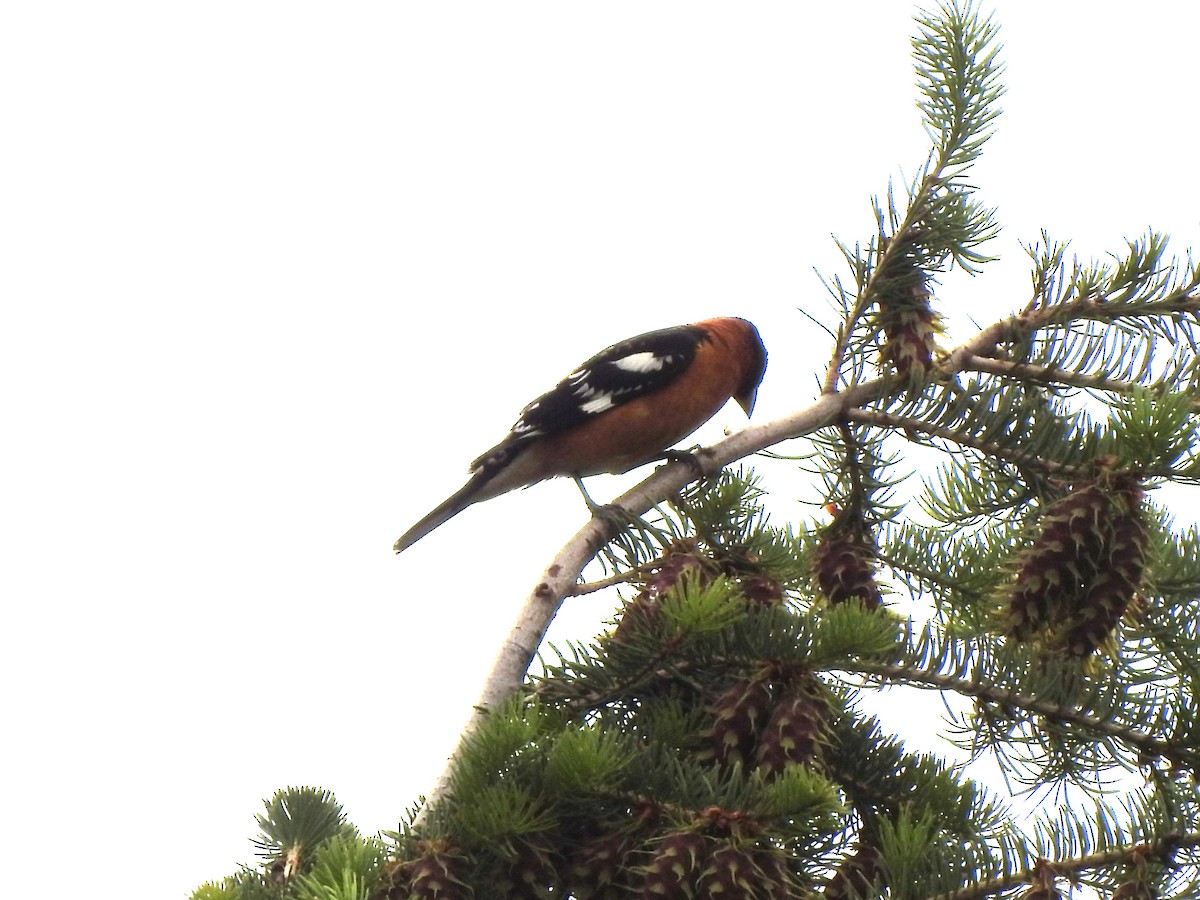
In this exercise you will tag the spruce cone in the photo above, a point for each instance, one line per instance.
(762, 590)
(797, 730)
(1042, 882)
(1136, 885)
(431, 876)
(672, 872)
(640, 613)
(844, 563)
(1135, 889)
(738, 873)
(1041, 892)
(1109, 594)
(638, 617)
(738, 715)
(908, 322)
(595, 871)
(728, 873)
(858, 877)
(1083, 569)
(1053, 570)
(777, 878)
(531, 876)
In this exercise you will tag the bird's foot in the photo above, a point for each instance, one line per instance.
(614, 515)
(688, 457)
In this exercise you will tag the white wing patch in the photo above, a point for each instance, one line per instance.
(591, 400)
(646, 361)
(583, 390)
(597, 404)
(594, 400)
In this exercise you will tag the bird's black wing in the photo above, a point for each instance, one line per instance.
(629, 369)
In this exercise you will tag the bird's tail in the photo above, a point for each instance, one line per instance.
(454, 504)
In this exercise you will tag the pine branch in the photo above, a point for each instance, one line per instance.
(600, 584)
(909, 427)
(1054, 376)
(1147, 746)
(1163, 848)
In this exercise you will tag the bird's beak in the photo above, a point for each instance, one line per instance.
(746, 401)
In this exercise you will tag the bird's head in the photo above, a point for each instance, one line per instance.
(747, 391)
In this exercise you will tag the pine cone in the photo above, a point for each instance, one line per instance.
(797, 731)
(738, 716)
(1041, 892)
(735, 872)
(432, 875)
(638, 617)
(762, 590)
(844, 563)
(1053, 570)
(642, 612)
(908, 322)
(1110, 592)
(1135, 889)
(858, 877)
(1042, 882)
(595, 870)
(678, 559)
(1084, 568)
(677, 861)
(729, 872)
(777, 879)
(532, 876)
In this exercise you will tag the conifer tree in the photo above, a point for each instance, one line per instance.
(712, 743)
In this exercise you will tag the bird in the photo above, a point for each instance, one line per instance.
(624, 407)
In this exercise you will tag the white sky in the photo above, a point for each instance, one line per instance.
(273, 274)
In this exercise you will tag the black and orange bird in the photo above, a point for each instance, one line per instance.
(625, 406)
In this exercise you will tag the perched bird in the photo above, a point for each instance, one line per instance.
(623, 407)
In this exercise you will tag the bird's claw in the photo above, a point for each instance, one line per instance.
(686, 456)
(616, 516)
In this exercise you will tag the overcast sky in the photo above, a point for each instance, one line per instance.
(274, 273)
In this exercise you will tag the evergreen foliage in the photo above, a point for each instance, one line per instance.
(713, 743)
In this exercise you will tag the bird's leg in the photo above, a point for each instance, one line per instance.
(609, 512)
(592, 505)
(616, 516)
(679, 501)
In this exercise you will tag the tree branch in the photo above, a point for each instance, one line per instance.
(908, 426)
(1162, 848)
(1149, 747)
(1050, 375)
